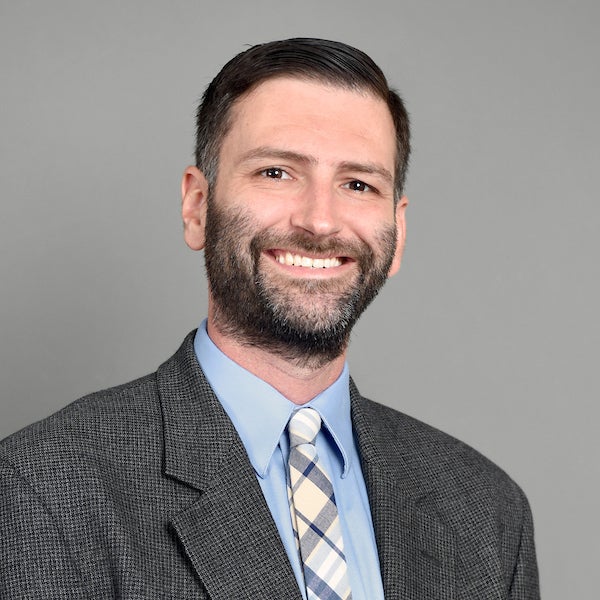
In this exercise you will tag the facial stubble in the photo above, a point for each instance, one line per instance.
(306, 321)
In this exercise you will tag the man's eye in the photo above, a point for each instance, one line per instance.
(358, 186)
(275, 173)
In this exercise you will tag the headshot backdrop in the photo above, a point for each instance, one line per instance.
(490, 330)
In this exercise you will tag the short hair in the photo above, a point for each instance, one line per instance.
(304, 58)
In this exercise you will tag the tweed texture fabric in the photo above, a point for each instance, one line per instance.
(145, 491)
(314, 513)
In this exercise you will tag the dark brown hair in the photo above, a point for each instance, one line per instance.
(305, 58)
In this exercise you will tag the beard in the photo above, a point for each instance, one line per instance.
(305, 321)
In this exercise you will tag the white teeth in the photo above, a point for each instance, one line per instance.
(305, 261)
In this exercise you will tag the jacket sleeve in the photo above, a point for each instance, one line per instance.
(525, 581)
(34, 559)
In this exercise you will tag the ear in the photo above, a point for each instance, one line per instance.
(401, 236)
(194, 193)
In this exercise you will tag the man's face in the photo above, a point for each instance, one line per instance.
(301, 228)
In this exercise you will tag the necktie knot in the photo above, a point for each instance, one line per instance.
(304, 426)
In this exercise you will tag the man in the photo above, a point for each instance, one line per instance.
(248, 465)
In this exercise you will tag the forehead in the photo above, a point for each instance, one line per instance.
(320, 119)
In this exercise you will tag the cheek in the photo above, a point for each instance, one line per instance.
(370, 224)
(264, 207)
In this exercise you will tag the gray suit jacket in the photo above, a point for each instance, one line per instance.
(145, 491)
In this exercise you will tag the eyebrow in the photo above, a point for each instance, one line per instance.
(279, 153)
(370, 168)
(271, 152)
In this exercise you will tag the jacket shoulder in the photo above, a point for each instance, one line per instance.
(437, 463)
(94, 425)
(455, 485)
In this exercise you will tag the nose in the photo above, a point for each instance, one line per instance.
(317, 210)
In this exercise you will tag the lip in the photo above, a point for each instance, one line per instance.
(310, 264)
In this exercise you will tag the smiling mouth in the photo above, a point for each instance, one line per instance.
(298, 260)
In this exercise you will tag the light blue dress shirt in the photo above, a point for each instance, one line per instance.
(260, 414)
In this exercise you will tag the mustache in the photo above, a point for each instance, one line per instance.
(302, 243)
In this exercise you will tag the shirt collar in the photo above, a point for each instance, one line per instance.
(260, 413)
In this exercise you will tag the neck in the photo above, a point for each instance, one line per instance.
(298, 381)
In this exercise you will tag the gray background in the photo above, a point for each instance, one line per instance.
(490, 331)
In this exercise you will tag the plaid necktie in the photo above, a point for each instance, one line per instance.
(314, 513)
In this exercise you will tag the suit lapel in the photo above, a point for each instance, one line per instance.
(230, 537)
(416, 550)
(228, 534)
(232, 540)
